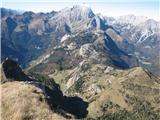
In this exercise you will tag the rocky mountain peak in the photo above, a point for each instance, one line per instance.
(84, 9)
(151, 25)
(77, 12)
(132, 19)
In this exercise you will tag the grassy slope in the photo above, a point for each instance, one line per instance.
(24, 101)
(122, 90)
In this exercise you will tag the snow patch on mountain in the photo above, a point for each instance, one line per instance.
(65, 37)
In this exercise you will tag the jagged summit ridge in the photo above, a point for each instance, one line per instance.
(77, 13)
(132, 19)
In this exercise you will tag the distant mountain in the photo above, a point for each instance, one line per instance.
(43, 32)
(76, 13)
(79, 65)
(9, 12)
(138, 38)
(132, 19)
(23, 34)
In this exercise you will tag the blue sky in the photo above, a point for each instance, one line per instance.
(114, 8)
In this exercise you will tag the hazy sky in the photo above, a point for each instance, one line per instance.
(115, 8)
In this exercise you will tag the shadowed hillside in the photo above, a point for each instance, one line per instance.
(48, 95)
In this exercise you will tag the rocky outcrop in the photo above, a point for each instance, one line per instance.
(12, 71)
(88, 51)
(40, 88)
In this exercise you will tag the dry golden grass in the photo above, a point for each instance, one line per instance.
(22, 101)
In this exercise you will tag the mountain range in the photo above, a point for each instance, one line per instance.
(27, 36)
(106, 68)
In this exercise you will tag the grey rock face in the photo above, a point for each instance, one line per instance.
(88, 51)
